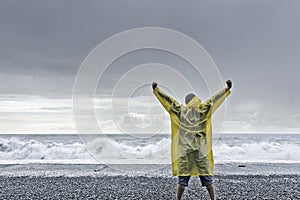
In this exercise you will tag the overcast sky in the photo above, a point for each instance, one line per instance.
(43, 43)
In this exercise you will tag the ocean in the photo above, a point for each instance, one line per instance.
(68, 154)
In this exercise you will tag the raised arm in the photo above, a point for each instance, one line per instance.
(170, 104)
(219, 98)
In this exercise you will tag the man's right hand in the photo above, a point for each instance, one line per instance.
(154, 85)
(229, 84)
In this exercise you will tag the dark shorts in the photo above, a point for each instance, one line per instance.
(205, 180)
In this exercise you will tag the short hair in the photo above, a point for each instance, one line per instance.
(189, 97)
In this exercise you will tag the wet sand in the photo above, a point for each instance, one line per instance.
(142, 187)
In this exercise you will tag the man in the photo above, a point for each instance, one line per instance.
(191, 147)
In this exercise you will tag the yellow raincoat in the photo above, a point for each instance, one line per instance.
(191, 147)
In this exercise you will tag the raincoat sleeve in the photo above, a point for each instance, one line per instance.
(219, 98)
(170, 104)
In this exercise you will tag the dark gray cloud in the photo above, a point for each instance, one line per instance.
(256, 43)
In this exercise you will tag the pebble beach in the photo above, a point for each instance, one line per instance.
(143, 187)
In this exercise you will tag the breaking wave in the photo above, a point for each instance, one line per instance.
(16, 150)
(112, 149)
(258, 152)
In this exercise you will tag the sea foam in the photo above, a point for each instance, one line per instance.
(138, 151)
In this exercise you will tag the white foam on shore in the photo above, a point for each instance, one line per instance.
(110, 151)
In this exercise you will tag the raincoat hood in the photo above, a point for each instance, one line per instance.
(194, 102)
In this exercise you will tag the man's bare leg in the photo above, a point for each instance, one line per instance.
(211, 191)
(180, 190)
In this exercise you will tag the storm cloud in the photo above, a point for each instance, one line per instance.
(254, 43)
